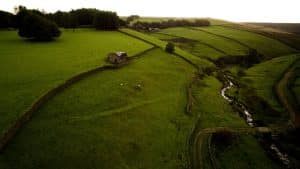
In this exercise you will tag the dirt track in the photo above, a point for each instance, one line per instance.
(197, 144)
(281, 91)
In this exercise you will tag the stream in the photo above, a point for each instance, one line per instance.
(248, 117)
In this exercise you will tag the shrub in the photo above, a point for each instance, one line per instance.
(223, 138)
(170, 48)
(252, 57)
(38, 28)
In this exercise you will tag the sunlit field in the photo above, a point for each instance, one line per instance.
(87, 88)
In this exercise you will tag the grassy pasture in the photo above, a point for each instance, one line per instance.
(200, 62)
(106, 121)
(267, 46)
(264, 76)
(194, 47)
(290, 39)
(245, 152)
(28, 69)
(212, 109)
(229, 47)
(288, 27)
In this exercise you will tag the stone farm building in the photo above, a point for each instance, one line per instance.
(117, 57)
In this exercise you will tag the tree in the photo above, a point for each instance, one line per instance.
(223, 138)
(22, 12)
(6, 19)
(170, 48)
(84, 16)
(70, 21)
(122, 23)
(106, 20)
(254, 56)
(170, 23)
(38, 28)
(132, 18)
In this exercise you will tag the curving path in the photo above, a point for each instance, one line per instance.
(197, 160)
(282, 94)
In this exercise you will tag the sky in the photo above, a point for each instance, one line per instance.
(232, 10)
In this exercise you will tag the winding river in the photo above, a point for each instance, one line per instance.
(248, 117)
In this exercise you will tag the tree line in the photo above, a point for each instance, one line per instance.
(169, 23)
(38, 25)
(75, 18)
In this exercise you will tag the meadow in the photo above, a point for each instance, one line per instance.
(263, 77)
(212, 109)
(196, 61)
(245, 152)
(135, 116)
(195, 47)
(228, 47)
(107, 119)
(28, 69)
(264, 45)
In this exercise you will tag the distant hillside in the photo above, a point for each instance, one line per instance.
(212, 21)
(288, 27)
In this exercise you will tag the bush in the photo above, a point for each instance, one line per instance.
(223, 138)
(170, 48)
(38, 28)
(252, 57)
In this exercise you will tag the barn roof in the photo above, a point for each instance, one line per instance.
(120, 53)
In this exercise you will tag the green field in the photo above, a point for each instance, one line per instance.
(197, 48)
(28, 69)
(228, 47)
(212, 109)
(244, 148)
(100, 123)
(266, 46)
(138, 115)
(199, 62)
(263, 77)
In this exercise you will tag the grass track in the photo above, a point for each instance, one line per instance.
(295, 84)
(285, 95)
